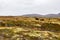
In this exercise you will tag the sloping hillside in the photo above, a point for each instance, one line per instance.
(29, 28)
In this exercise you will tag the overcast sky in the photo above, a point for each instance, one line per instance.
(20, 7)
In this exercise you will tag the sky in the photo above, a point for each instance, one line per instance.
(21, 7)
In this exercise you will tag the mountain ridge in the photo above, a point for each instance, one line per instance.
(39, 15)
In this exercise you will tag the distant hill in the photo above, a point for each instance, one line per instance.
(33, 15)
(38, 15)
(53, 15)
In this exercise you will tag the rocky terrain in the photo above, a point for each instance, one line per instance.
(29, 28)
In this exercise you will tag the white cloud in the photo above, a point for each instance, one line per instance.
(19, 7)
